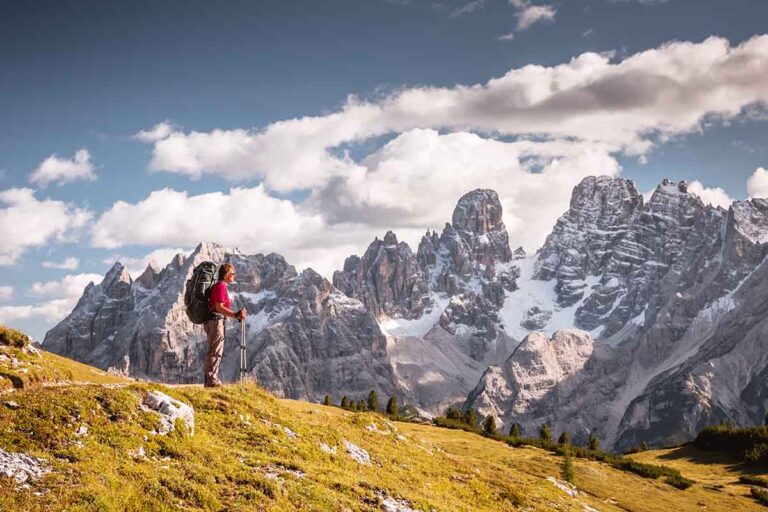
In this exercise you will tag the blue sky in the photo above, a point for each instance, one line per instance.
(430, 118)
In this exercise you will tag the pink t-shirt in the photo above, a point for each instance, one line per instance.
(219, 294)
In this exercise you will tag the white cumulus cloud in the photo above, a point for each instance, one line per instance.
(630, 104)
(6, 292)
(757, 183)
(158, 258)
(27, 222)
(70, 263)
(56, 299)
(715, 196)
(385, 191)
(64, 170)
(535, 14)
(68, 287)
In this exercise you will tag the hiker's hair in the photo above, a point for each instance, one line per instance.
(223, 269)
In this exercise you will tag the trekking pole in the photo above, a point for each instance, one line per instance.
(242, 350)
(243, 354)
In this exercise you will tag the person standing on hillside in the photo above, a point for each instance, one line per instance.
(219, 306)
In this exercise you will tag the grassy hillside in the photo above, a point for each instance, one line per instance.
(251, 451)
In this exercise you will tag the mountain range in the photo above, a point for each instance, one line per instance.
(638, 321)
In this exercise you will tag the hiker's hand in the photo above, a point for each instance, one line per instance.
(240, 315)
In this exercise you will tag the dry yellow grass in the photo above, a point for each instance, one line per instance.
(241, 457)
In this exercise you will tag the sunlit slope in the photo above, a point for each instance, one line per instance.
(251, 451)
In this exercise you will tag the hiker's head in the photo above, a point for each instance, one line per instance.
(225, 270)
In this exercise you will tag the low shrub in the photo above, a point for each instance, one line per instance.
(750, 443)
(679, 482)
(760, 481)
(12, 337)
(760, 495)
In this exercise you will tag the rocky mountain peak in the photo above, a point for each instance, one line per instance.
(149, 278)
(117, 281)
(601, 212)
(478, 211)
(390, 239)
(387, 279)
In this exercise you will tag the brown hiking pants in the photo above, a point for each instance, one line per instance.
(214, 330)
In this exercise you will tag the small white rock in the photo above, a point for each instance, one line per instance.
(328, 449)
(358, 454)
(169, 410)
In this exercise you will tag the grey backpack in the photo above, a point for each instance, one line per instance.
(198, 291)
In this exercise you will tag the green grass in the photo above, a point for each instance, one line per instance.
(242, 458)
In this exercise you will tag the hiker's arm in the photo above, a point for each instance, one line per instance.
(220, 308)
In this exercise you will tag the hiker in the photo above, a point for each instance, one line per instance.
(219, 307)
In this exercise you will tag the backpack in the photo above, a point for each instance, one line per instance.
(198, 291)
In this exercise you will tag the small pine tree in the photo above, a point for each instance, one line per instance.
(565, 438)
(545, 433)
(373, 401)
(361, 406)
(489, 425)
(516, 430)
(568, 472)
(644, 446)
(392, 409)
(327, 401)
(470, 418)
(593, 442)
(345, 403)
(454, 413)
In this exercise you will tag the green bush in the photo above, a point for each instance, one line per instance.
(760, 495)
(679, 482)
(12, 337)
(760, 481)
(444, 422)
(751, 444)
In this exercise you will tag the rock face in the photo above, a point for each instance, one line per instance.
(536, 369)
(601, 212)
(387, 279)
(304, 337)
(673, 289)
(444, 300)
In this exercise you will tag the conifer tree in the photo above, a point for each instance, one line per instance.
(470, 417)
(327, 400)
(593, 442)
(361, 405)
(568, 472)
(454, 413)
(515, 430)
(373, 401)
(489, 425)
(545, 433)
(565, 438)
(392, 408)
(345, 403)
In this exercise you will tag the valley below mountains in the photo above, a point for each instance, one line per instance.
(638, 321)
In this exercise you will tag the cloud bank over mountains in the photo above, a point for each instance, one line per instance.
(531, 134)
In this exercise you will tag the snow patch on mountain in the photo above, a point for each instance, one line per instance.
(537, 293)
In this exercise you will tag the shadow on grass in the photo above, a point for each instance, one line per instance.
(731, 463)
